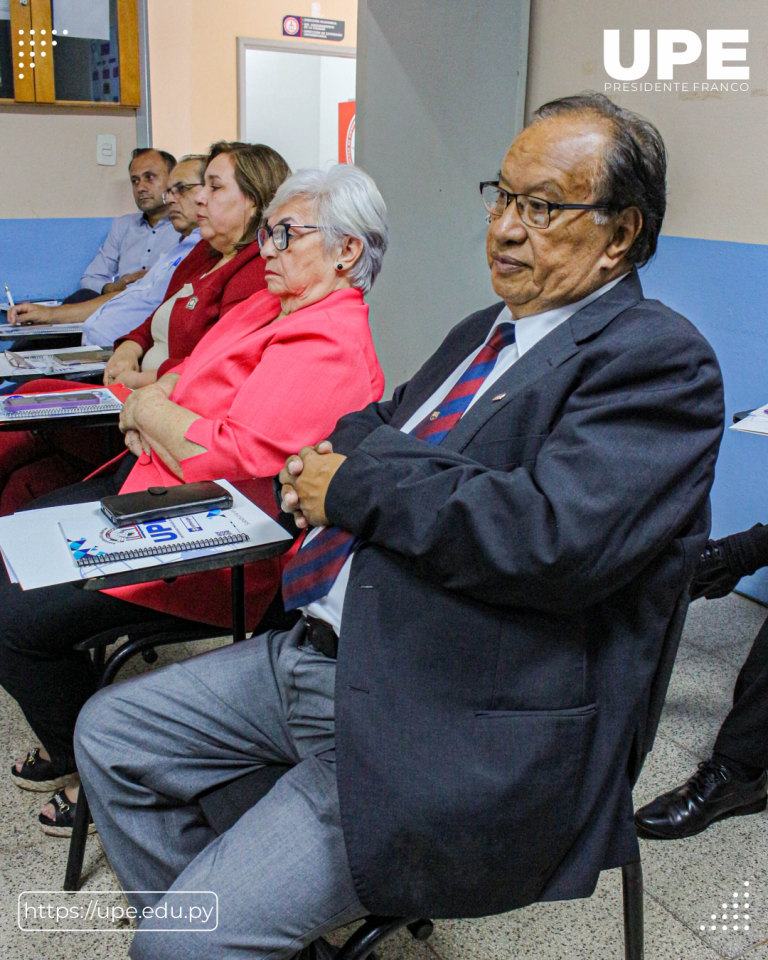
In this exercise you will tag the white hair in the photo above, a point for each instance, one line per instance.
(347, 203)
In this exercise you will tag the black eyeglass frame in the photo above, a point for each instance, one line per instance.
(550, 205)
(179, 189)
(270, 233)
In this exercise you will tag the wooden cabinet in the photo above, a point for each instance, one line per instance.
(70, 54)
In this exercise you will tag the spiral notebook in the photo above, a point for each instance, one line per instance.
(36, 553)
(64, 403)
(93, 542)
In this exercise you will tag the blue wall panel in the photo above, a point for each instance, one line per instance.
(723, 289)
(47, 257)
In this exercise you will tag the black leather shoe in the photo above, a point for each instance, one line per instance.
(714, 576)
(711, 794)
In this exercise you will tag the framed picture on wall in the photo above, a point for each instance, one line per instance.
(69, 52)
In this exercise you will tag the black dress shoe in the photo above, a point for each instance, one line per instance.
(714, 576)
(711, 794)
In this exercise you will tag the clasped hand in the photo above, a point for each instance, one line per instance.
(305, 479)
(135, 410)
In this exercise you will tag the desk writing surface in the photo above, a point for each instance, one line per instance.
(755, 421)
(41, 370)
(38, 555)
(8, 332)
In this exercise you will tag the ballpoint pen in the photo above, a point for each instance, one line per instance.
(11, 302)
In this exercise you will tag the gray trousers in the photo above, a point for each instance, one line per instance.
(146, 748)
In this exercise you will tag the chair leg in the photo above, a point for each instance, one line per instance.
(77, 843)
(373, 931)
(98, 655)
(632, 890)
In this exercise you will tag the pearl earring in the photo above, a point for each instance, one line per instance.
(339, 266)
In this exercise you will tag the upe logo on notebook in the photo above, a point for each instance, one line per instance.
(159, 531)
(678, 48)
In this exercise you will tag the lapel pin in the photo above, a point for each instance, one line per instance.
(499, 396)
(435, 415)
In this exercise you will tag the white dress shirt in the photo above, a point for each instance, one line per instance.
(528, 332)
(139, 300)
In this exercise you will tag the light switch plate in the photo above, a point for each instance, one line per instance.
(106, 149)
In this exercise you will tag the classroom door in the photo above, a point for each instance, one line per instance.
(299, 103)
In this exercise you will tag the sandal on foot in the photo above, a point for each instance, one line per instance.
(39, 774)
(64, 819)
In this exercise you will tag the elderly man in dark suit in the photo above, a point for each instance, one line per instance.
(496, 554)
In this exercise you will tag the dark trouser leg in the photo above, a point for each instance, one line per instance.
(148, 747)
(81, 296)
(38, 666)
(743, 735)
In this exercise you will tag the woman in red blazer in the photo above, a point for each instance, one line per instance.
(220, 272)
(273, 375)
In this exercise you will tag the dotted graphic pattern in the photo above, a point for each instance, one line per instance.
(724, 921)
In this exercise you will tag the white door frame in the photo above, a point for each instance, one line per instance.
(283, 46)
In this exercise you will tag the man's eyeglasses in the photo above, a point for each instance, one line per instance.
(178, 190)
(281, 234)
(533, 211)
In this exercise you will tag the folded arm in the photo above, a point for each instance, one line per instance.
(294, 395)
(151, 419)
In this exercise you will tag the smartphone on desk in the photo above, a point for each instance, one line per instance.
(84, 356)
(160, 503)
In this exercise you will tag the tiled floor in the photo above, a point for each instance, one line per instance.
(686, 882)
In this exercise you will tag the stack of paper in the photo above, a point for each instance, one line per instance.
(46, 362)
(8, 332)
(756, 422)
(36, 553)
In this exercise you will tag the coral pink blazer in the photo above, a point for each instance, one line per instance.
(264, 388)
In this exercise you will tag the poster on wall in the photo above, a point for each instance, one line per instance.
(347, 132)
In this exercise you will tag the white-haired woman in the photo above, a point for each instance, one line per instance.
(273, 375)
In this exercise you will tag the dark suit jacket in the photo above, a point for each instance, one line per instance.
(506, 608)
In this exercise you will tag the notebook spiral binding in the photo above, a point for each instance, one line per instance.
(64, 411)
(158, 549)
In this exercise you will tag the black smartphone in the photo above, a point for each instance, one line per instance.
(84, 356)
(159, 503)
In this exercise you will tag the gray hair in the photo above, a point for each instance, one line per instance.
(347, 204)
(633, 170)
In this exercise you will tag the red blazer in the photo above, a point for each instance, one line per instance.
(264, 388)
(216, 294)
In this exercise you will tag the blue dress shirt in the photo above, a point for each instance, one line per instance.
(128, 309)
(131, 245)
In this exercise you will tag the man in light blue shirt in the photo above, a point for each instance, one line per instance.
(132, 306)
(113, 315)
(136, 241)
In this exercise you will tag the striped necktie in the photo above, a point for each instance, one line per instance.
(312, 572)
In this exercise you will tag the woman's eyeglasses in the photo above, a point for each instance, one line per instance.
(281, 234)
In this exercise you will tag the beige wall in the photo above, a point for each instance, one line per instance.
(718, 143)
(48, 162)
(193, 61)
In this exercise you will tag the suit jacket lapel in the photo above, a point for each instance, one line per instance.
(459, 344)
(555, 348)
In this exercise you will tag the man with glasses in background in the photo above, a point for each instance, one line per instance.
(497, 553)
(112, 315)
